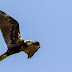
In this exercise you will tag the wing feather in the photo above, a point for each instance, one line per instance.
(10, 29)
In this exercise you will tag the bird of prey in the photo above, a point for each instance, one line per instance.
(11, 34)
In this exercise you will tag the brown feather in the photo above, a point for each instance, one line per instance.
(10, 29)
(31, 49)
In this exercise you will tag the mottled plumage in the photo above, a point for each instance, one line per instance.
(10, 31)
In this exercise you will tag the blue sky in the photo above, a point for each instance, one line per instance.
(46, 21)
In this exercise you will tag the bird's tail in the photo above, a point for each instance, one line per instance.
(3, 56)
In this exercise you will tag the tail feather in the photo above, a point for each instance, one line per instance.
(3, 56)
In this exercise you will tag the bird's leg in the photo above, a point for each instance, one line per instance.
(9, 52)
(3, 56)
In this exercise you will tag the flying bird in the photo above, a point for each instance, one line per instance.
(12, 37)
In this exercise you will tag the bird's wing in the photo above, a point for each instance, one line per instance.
(31, 49)
(10, 29)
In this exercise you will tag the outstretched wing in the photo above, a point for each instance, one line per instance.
(10, 29)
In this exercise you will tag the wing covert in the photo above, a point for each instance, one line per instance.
(10, 29)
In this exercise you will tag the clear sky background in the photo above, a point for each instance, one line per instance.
(46, 21)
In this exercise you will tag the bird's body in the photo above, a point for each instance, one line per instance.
(15, 44)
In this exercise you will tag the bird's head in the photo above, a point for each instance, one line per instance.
(28, 42)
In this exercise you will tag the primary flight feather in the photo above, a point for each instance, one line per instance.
(15, 44)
